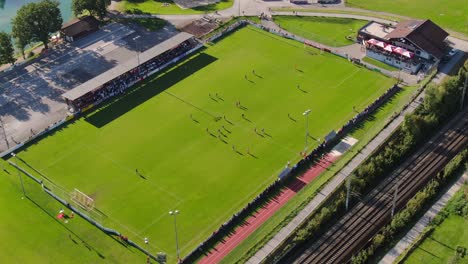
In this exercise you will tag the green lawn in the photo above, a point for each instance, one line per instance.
(448, 14)
(167, 7)
(440, 246)
(328, 31)
(379, 64)
(31, 233)
(182, 166)
(150, 24)
(340, 11)
(449, 231)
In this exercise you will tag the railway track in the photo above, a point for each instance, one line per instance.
(364, 220)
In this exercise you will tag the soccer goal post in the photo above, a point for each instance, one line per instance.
(82, 200)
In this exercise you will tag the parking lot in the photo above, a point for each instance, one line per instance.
(30, 97)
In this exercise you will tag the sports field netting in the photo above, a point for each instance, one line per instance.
(166, 145)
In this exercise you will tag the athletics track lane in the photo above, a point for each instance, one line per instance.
(217, 253)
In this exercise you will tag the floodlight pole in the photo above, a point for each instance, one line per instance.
(463, 93)
(146, 243)
(306, 114)
(137, 50)
(175, 213)
(19, 173)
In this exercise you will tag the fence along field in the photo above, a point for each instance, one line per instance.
(218, 129)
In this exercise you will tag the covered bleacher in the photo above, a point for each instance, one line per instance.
(119, 78)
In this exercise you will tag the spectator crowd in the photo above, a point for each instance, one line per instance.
(124, 81)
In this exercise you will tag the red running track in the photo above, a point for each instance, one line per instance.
(253, 222)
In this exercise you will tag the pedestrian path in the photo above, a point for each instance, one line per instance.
(419, 227)
(286, 231)
(253, 222)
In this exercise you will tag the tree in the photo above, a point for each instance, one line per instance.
(94, 7)
(21, 41)
(36, 21)
(6, 49)
(22, 34)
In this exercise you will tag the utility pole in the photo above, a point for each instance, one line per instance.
(174, 214)
(394, 200)
(19, 173)
(306, 114)
(348, 190)
(464, 91)
(137, 50)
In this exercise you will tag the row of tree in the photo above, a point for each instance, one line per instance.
(441, 102)
(35, 22)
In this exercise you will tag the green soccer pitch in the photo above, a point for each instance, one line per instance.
(188, 156)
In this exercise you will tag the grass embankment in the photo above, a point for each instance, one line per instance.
(441, 241)
(331, 31)
(168, 7)
(448, 14)
(379, 64)
(338, 11)
(151, 24)
(441, 245)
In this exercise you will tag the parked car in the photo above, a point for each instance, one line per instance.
(452, 52)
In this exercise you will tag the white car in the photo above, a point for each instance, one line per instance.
(452, 52)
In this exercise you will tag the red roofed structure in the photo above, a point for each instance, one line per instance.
(411, 45)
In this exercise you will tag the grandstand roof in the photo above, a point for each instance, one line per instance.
(115, 72)
(423, 33)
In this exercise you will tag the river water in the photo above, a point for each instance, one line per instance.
(8, 10)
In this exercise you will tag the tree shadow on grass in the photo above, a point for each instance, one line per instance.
(145, 91)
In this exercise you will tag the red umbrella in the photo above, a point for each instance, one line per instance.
(389, 48)
(372, 41)
(399, 50)
(380, 44)
(408, 54)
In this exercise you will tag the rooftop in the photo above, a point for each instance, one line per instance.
(423, 33)
(80, 25)
(113, 73)
(377, 29)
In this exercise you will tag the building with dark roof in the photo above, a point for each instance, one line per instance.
(79, 27)
(411, 45)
